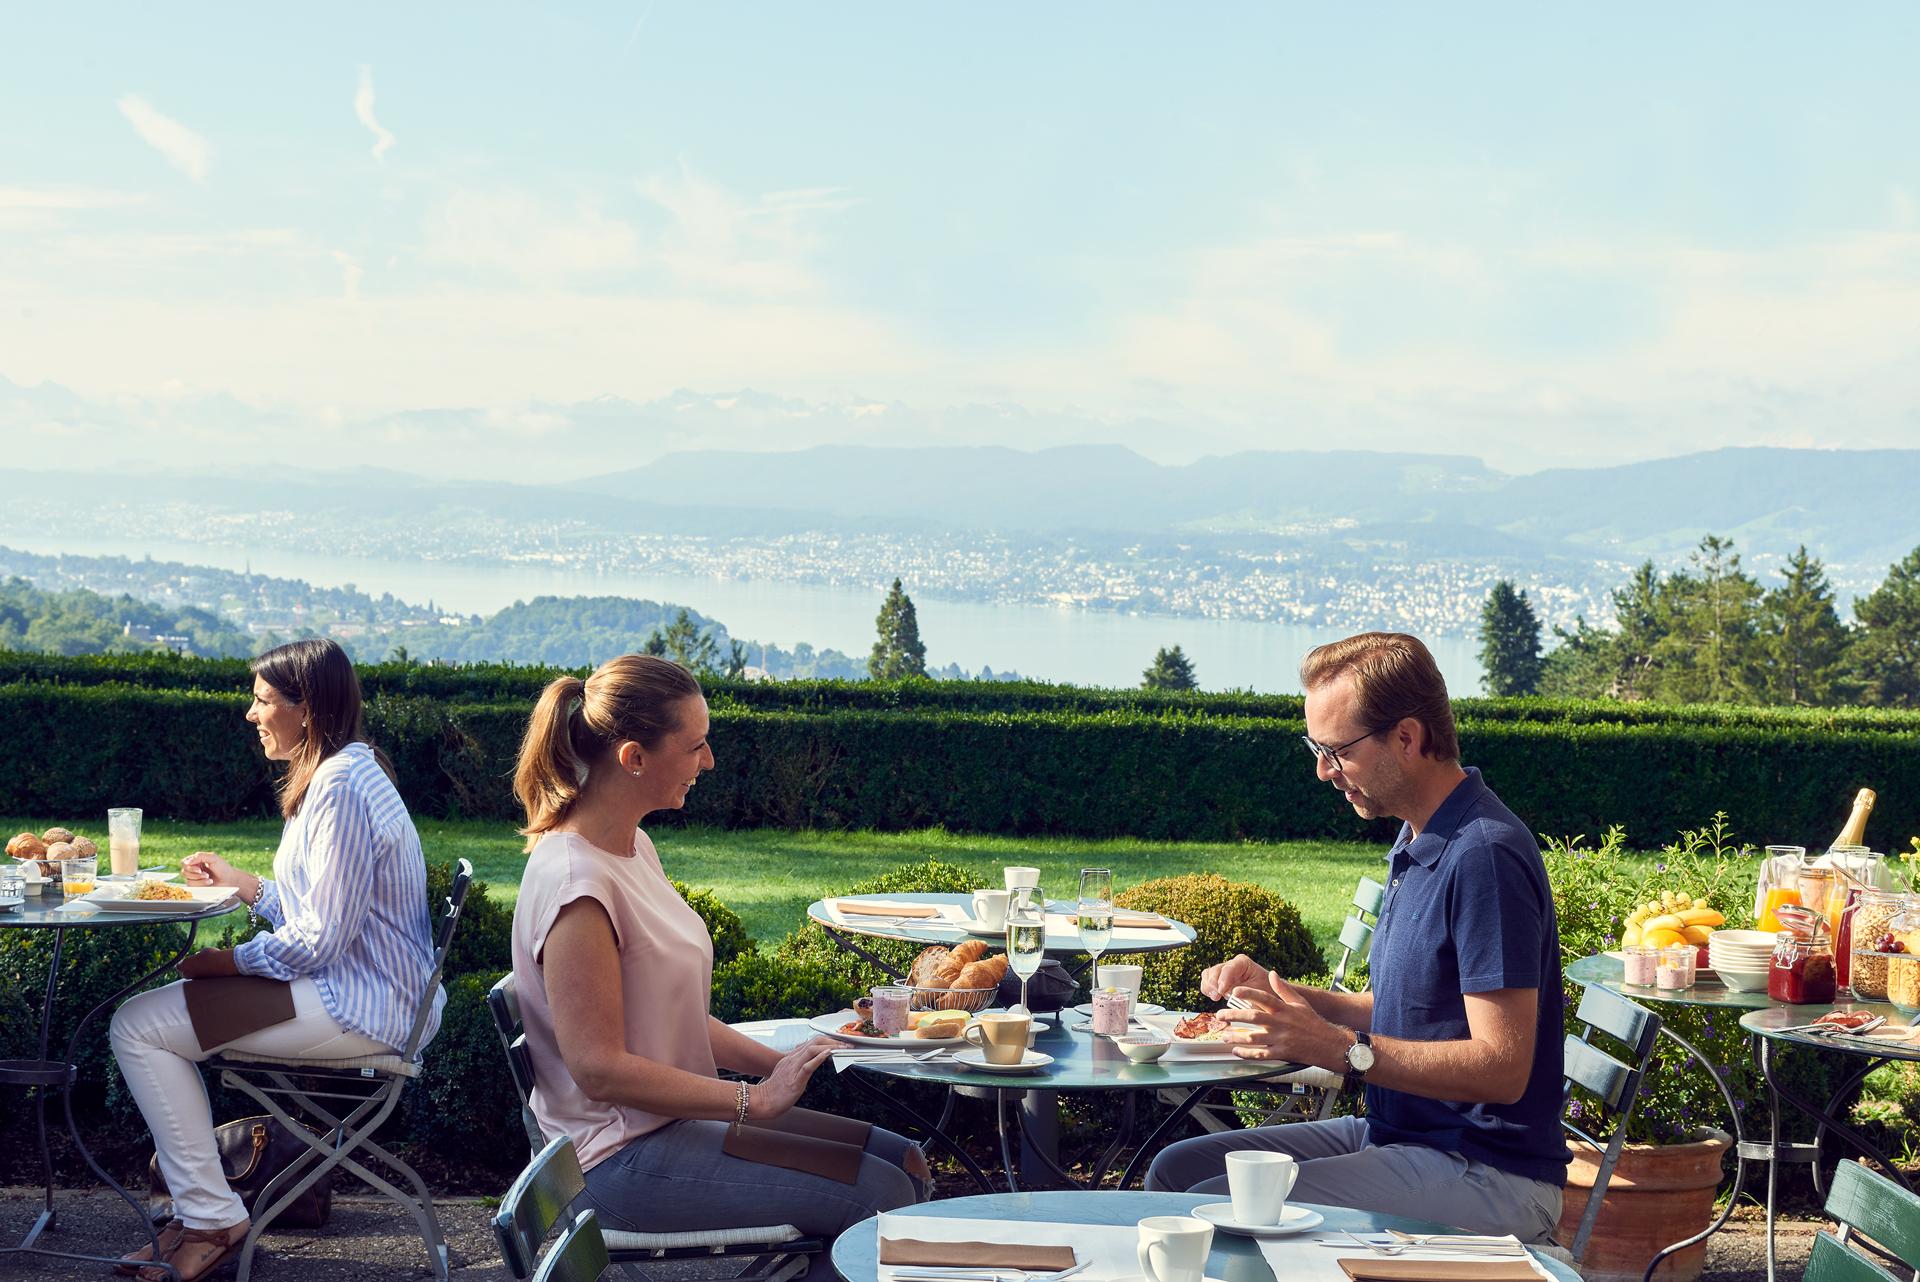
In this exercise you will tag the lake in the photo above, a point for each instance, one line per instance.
(1085, 647)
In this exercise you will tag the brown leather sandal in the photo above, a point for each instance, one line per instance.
(199, 1252)
(169, 1238)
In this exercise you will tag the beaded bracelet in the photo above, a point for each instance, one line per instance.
(740, 1118)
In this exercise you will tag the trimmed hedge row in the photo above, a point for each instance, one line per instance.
(183, 754)
(506, 683)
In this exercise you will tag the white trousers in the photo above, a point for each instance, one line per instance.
(159, 1058)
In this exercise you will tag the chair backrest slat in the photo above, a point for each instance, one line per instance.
(1877, 1207)
(1615, 1084)
(1831, 1262)
(1617, 1017)
(1368, 896)
(579, 1256)
(1355, 935)
(537, 1201)
(503, 1003)
(1589, 1066)
(442, 941)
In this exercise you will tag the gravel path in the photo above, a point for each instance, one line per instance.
(368, 1241)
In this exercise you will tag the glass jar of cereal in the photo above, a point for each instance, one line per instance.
(1867, 930)
(1903, 967)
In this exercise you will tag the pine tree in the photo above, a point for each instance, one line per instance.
(1804, 645)
(1509, 642)
(1170, 670)
(1886, 654)
(897, 650)
(1711, 652)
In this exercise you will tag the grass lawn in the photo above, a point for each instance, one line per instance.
(770, 876)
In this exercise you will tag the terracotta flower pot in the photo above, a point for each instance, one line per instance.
(1659, 1194)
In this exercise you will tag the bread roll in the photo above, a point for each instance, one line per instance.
(925, 964)
(54, 835)
(26, 846)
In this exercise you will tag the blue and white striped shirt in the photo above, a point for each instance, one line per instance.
(348, 902)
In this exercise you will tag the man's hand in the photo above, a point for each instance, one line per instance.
(208, 963)
(1287, 1028)
(1242, 971)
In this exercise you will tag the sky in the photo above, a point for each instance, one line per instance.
(433, 236)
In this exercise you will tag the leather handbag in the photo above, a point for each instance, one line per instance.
(252, 1151)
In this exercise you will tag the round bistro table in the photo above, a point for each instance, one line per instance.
(41, 1074)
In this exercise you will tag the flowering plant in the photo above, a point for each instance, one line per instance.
(1595, 889)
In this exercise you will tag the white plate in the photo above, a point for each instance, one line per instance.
(10, 903)
(157, 874)
(973, 1057)
(1293, 1219)
(113, 898)
(1139, 1009)
(829, 1025)
(1184, 1048)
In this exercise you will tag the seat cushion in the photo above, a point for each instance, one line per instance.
(771, 1235)
(392, 1065)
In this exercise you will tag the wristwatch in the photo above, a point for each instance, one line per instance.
(1359, 1059)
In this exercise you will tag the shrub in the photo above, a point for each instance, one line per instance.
(463, 1112)
(753, 985)
(1228, 918)
(730, 937)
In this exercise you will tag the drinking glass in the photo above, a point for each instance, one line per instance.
(77, 876)
(123, 840)
(1096, 914)
(1026, 943)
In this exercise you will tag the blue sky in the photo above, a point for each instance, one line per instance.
(1540, 237)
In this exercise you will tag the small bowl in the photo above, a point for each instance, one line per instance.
(1742, 981)
(1142, 1050)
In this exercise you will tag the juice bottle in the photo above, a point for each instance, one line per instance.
(1776, 896)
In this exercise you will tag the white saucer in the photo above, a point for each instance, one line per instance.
(974, 1057)
(1139, 1008)
(1294, 1219)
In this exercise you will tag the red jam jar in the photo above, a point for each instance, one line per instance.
(1802, 973)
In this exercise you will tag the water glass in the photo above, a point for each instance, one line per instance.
(1096, 912)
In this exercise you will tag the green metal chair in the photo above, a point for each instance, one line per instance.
(537, 1201)
(1614, 1083)
(1874, 1206)
(579, 1256)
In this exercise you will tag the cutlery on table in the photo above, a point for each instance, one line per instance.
(943, 1273)
(1817, 1027)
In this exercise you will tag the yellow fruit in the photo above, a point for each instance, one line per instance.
(1630, 936)
(1696, 934)
(1702, 917)
(1668, 922)
(1662, 938)
(1683, 900)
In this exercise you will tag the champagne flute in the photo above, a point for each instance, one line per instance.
(1026, 944)
(1096, 914)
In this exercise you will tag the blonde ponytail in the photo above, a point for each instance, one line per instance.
(636, 697)
(551, 770)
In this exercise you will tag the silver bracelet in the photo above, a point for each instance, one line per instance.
(740, 1119)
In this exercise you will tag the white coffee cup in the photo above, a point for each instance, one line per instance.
(1018, 877)
(990, 908)
(1124, 977)
(1173, 1248)
(1259, 1183)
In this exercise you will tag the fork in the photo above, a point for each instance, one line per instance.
(941, 1273)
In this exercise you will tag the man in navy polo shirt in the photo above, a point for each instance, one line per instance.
(1458, 1040)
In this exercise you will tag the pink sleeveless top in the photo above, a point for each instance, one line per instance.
(666, 978)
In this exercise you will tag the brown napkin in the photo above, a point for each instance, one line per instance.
(1391, 1269)
(803, 1140)
(1141, 921)
(870, 908)
(225, 1008)
(986, 1255)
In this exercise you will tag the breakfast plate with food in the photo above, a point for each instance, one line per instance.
(1194, 1033)
(150, 896)
(928, 1028)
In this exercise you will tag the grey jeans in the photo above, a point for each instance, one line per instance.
(1341, 1166)
(676, 1179)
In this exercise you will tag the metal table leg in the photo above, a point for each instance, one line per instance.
(933, 1131)
(1826, 1119)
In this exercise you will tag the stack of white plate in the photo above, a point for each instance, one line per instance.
(1741, 958)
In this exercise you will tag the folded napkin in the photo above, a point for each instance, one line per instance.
(1141, 921)
(895, 1252)
(1387, 1268)
(874, 908)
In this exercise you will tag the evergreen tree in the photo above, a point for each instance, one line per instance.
(1804, 645)
(897, 650)
(1170, 670)
(1886, 653)
(1584, 665)
(1710, 653)
(1509, 642)
(1644, 615)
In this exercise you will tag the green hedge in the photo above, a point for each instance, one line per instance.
(1185, 776)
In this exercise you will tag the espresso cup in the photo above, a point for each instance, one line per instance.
(1173, 1248)
(990, 908)
(1258, 1183)
(1001, 1037)
(1018, 877)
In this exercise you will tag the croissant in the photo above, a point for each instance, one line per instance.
(970, 951)
(980, 974)
(26, 846)
(949, 970)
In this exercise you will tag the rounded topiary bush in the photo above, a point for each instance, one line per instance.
(730, 937)
(1228, 918)
(755, 986)
(810, 943)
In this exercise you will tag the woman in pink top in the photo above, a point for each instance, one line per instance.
(615, 972)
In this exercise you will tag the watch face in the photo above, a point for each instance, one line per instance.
(1360, 1057)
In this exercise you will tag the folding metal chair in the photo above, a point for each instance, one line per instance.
(360, 1094)
(1615, 1084)
(1307, 1094)
(773, 1253)
(579, 1256)
(1886, 1215)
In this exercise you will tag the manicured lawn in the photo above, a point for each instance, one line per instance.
(769, 876)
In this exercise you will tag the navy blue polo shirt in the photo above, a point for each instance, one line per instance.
(1468, 910)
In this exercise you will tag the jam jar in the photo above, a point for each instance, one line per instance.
(1802, 973)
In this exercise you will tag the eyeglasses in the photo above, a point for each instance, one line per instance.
(1322, 752)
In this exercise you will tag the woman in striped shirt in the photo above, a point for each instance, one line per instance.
(351, 938)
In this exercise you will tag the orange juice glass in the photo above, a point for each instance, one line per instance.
(1777, 896)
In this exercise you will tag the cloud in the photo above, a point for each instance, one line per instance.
(184, 149)
(515, 233)
(350, 274)
(363, 110)
(720, 239)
